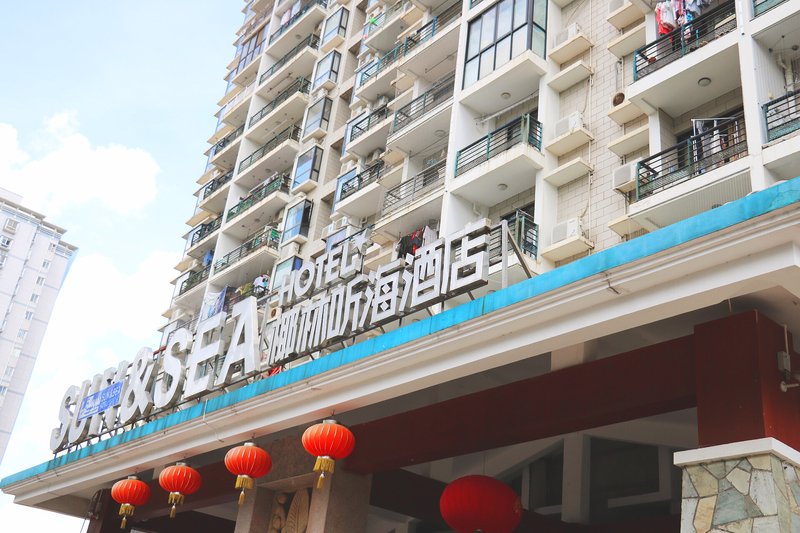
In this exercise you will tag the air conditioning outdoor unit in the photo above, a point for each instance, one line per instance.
(348, 166)
(566, 229)
(570, 122)
(624, 177)
(613, 5)
(382, 101)
(337, 225)
(566, 34)
(274, 314)
(322, 92)
(375, 155)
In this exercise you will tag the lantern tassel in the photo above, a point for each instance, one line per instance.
(124, 521)
(244, 482)
(175, 498)
(172, 511)
(324, 465)
(241, 497)
(125, 510)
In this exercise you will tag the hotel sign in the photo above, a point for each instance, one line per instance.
(322, 303)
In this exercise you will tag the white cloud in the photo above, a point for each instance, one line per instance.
(68, 171)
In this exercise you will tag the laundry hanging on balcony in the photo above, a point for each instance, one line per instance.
(409, 244)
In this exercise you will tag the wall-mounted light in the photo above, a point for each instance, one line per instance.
(704, 81)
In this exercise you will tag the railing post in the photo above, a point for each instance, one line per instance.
(526, 128)
(638, 180)
(488, 146)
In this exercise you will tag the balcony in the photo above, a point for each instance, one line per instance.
(425, 120)
(782, 119)
(290, 104)
(223, 153)
(699, 62)
(194, 279)
(234, 112)
(245, 70)
(264, 202)
(762, 6)
(256, 256)
(300, 60)
(510, 83)
(200, 235)
(424, 59)
(369, 133)
(363, 194)
(212, 197)
(381, 32)
(278, 152)
(693, 176)
(411, 203)
(301, 23)
(376, 78)
(501, 164)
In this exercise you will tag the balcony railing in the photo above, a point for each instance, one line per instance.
(782, 115)
(289, 23)
(194, 279)
(269, 238)
(300, 85)
(234, 297)
(247, 91)
(362, 126)
(312, 41)
(216, 183)
(361, 180)
(204, 230)
(524, 231)
(292, 132)
(225, 141)
(761, 6)
(381, 64)
(684, 40)
(279, 183)
(429, 30)
(717, 146)
(428, 100)
(524, 129)
(247, 59)
(378, 22)
(410, 190)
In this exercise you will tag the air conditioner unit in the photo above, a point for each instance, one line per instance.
(624, 177)
(566, 229)
(11, 225)
(337, 225)
(566, 34)
(322, 92)
(375, 155)
(348, 166)
(274, 314)
(382, 101)
(570, 122)
(613, 5)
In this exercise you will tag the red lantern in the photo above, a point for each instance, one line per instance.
(129, 493)
(179, 480)
(247, 462)
(329, 442)
(480, 503)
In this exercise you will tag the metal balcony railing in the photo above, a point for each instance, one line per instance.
(782, 115)
(362, 126)
(216, 184)
(381, 64)
(716, 147)
(312, 41)
(194, 279)
(204, 230)
(300, 85)
(761, 6)
(362, 179)
(289, 23)
(524, 231)
(227, 140)
(684, 40)
(429, 30)
(292, 132)
(247, 59)
(417, 187)
(431, 98)
(269, 238)
(279, 183)
(524, 129)
(373, 25)
(247, 91)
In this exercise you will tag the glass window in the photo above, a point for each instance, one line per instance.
(40, 280)
(307, 167)
(5, 242)
(334, 239)
(318, 115)
(22, 333)
(344, 178)
(282, 270)
(327, 69)
(298, 220)
(28, 315)
(336, 24)
(3, 390)
(9, 372)
(503, 31)
(45, 264)
(34, 298)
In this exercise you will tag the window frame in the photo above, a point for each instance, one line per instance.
(301, 226)
(327, 106)
(335, 65)
(313, 172)
(340, 29)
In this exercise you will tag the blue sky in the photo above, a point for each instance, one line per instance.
(105, 109)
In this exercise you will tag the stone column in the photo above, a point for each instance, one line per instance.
(341, 505)
(255, 512)
(745, 487)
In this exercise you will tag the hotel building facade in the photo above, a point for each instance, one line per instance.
(588, 217)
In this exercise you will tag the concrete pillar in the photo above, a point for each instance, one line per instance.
(341, 505)
(745, 487)
(255, 512)
(106, 519)
(575, 484)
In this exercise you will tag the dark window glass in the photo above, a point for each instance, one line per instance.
(318, 115)
(298, 220)
(336, 24)
(307, 167)
(327, 69)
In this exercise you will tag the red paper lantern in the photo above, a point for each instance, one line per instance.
(328, 442)
(247, 462)
(480, 503)
(129, 493)
(179, 480)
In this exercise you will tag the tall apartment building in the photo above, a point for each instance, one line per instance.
(553, 242)
(33, 264)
